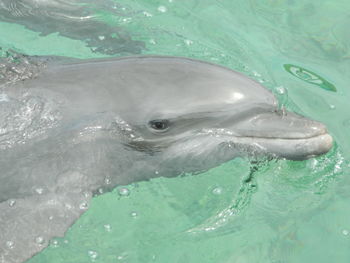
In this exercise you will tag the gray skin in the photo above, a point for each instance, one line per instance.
(82, 128)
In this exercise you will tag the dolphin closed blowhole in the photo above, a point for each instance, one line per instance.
(77, 128)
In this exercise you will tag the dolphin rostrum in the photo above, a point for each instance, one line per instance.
(75, 129)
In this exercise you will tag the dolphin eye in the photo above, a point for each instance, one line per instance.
(159, 125)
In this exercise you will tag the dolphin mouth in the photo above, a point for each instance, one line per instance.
(289, 136)
(275, 125)
(290, 148)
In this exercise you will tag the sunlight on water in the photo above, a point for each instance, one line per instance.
(288, 211)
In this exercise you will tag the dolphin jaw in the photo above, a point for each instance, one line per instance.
(291, 148)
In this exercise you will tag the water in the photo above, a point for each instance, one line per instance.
(290, 211)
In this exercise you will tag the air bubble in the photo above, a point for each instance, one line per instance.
(68, 206)
(39, 190)
(156, 172)
(121, 257)
(83, 206)
(108, 227)
(92, 254)
(39, 240)
(281, 90)
(107, 180)
(162, 9)
(152, 41)
(188, 42)
(54, 243)
(217, 191)
(124, 191)
(332, 107)
(86, 194)
(101, 37)
(134, 214)
(12, 203)
(10, 244)
(345, 232)
(146, 14)
(256, 74)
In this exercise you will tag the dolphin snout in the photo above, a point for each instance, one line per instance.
(274, 125)
(290, 136)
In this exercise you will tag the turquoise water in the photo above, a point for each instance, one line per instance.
(299, 211)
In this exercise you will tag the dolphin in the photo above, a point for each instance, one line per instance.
(76, 20)
(76, 129)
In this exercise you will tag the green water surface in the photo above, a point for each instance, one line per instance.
(299, 211)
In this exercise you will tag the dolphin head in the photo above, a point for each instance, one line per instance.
(191, 109)
(187, 110)
(200, 108)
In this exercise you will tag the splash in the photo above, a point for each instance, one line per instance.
(238, 205)
(15, 67)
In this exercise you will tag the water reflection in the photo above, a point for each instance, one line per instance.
(309, 77)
